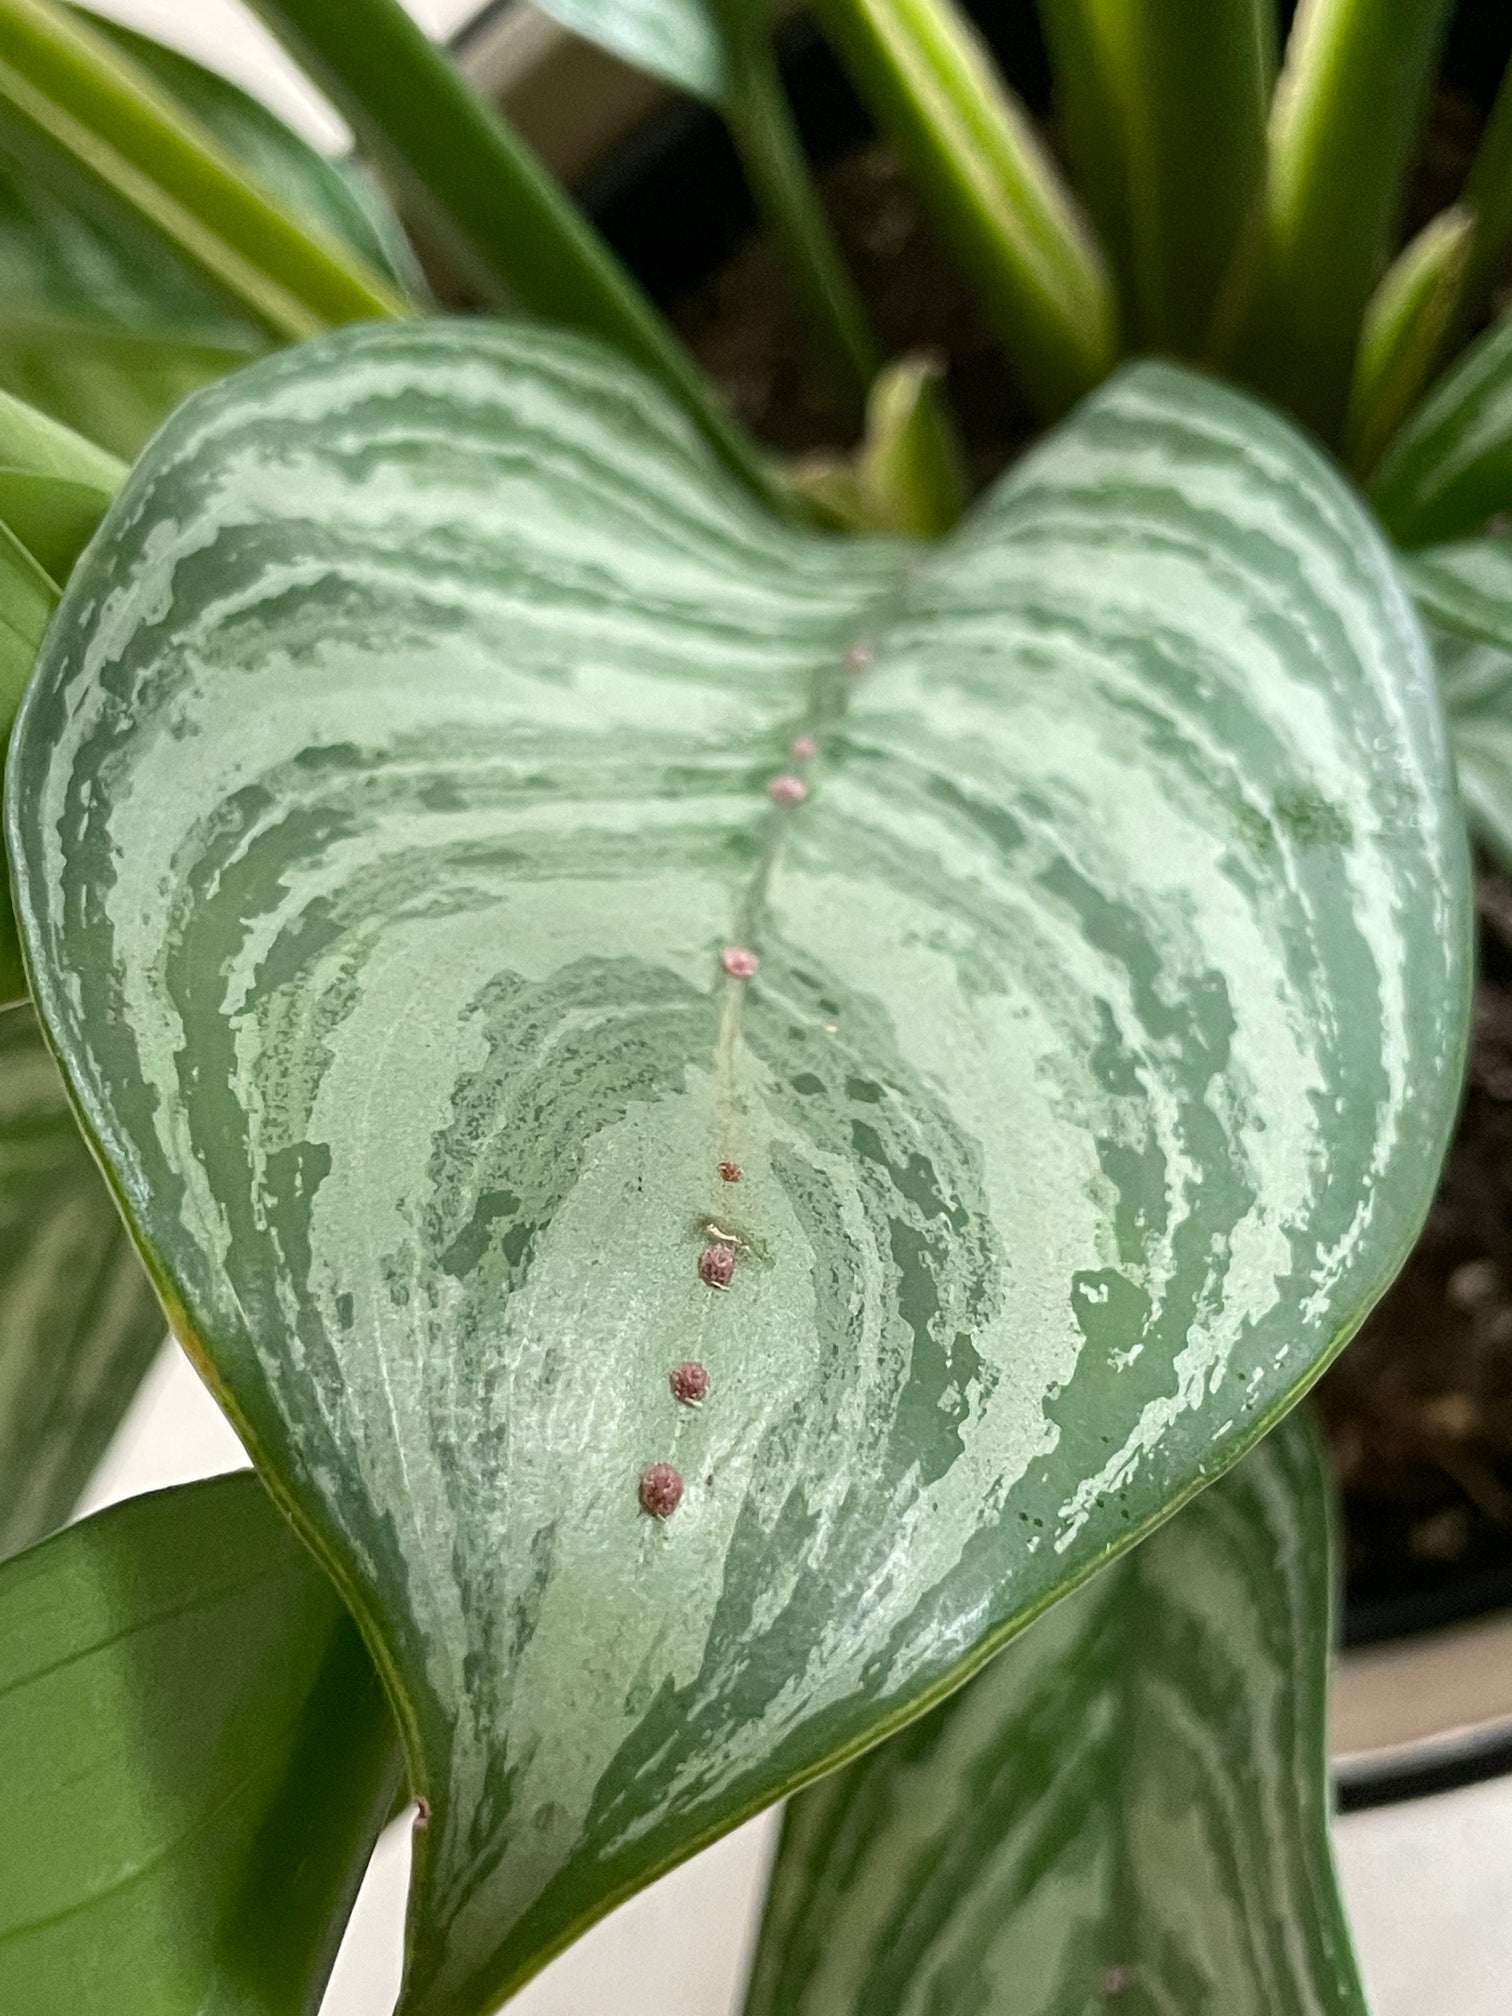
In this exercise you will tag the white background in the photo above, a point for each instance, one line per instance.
(1429, 1884)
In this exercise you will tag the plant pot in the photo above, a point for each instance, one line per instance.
(1423, 1687)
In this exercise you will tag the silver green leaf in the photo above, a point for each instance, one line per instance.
(1125, 1811)
(392, 783)
(679, 41)
(79, 1322)
(1464, 592)
(1128, 1810)
(197, 1757)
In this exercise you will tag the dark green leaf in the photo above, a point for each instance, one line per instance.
(79, 1322)
(1407, 320)
(393, 777)
(28, 597)
(104, 324)
(1464, 592)
(197, 1758)
(1127, 1811)
(1450, 468)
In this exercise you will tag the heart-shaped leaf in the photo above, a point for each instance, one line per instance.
(407, 832)
(197, 1757)
(1464, 592)
(79, 1323)
(677, 40)
(1127, 1810)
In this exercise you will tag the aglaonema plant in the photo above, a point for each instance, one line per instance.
(733, 1111)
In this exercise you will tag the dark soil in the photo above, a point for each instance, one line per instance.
(1418, 1410)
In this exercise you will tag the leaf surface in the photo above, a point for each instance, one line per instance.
(677, 40)
(197, 1758)
(1127, 1811)
(1464, 591)
(391, 788)
(1450, 467)
(79, 1322)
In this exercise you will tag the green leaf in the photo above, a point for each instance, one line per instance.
(1131, 1802)
(989, 185)
(1353, 87)
(105, 325)
(28, 597)
(518, 236)
(79, 1322)
(1164, 104)
(1407, 320)
(390, 785)
(676, 40)
(54, 487)
(906, 477)
(1450, 468)
(197, 1758)
(1464, 593)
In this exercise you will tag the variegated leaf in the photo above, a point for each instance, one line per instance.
(392, 787)
(1128, 1811)
(1464, 592)
(79, 1323)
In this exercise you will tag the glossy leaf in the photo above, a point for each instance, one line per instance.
(1450, 468)
(1127, 1810)
(1465, 594)
(79, 1322)
(676, 40)
(393, 779)
(28, 597)
(197, 1758)
(105, 326)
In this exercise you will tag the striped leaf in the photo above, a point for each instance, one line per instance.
(1450, 467)
(390, 819)
(1127, 1811)
(1464, 592)
(197, 1757)
(79, 1323)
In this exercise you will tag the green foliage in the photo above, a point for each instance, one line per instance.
(1406, 322)
(1450, 467)
(1082, 1100)
(1128, 1809)
(1464, 592)
(79, 1322)
(906, 477)
(1164, 104)
(196, 1756)
(104, 323)
(678, 40)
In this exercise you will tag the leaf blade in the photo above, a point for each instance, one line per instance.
(145, 1656)
(982, 1047)
(1132, 1799)
(676, 40)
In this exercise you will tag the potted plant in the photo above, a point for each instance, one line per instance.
(738, 1081)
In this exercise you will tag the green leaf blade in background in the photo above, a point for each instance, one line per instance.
(1106, 1037)
(676, 40)
(1450, 467)
(79, 1321)
(107, 327)
(1464, 593)
(197, 1759)
(1128, 1809)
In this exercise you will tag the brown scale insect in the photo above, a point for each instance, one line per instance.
(716, 1266)
(690, 1383)
(729, 1172)
(661, 1490)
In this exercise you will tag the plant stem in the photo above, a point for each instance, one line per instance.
(1164, 105)
(66, 92)
(511, 227)
(761, 123)
(1346, 116)
(993, 192)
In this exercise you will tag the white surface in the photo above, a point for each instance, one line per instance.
(1429, 1884)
